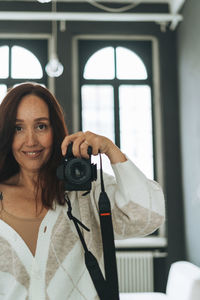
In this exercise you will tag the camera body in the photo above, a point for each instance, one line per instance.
(77, 173)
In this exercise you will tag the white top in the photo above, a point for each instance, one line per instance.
(58, 271)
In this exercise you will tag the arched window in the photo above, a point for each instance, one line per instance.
(21, 61)
(100, 71)
(31, 67)
(116, 99)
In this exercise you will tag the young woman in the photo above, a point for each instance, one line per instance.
(41, 256)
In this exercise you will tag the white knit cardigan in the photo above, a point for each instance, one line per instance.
(58, 272)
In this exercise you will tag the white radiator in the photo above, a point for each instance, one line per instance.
(135, 271)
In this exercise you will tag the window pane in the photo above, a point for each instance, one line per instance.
(98, 116)
(3, 91)
(100, 65)
(4, 61)
(136, 126)
(129, 65)
(25, 64)
(97, 109)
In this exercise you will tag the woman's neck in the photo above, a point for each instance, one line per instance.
(27, 179)
(27, 182)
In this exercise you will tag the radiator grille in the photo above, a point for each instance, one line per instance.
(135, 271)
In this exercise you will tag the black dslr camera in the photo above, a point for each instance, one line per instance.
(77, 173)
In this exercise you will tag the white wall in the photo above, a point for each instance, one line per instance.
(189, 96)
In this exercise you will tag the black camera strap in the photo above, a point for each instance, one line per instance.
(94, 270)
(106, 288)
(108, 239)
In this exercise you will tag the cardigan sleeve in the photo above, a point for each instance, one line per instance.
(137, 203)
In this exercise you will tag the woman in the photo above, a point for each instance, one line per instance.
(41, 256)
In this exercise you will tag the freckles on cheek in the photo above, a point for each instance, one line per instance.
(15, 144)
(49, 140)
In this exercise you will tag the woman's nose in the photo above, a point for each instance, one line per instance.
(31, 138)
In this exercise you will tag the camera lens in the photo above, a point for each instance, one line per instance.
(78, 171)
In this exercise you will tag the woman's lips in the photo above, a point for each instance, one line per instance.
(33, 153)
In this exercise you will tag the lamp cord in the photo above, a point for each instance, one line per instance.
(114, 10)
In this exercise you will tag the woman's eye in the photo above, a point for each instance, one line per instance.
(42, 126)
(18, 128)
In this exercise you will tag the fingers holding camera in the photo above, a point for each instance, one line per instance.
(80, 146)
(83, 149)
(82, 140)
(102, 144)
(76, 139)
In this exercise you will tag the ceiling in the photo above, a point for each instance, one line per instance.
(163, 12)
(174, 5)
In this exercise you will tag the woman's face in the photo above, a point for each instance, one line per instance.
(33, 138)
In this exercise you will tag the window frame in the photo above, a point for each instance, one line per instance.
(143, 49)
(25, 40)
(160, 239)
(116, 83)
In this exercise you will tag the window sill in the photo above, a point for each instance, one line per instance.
(143, 242)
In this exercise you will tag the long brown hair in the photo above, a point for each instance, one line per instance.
(47, 181)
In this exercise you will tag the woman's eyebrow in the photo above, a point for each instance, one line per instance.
(19, 120)
(42, 119)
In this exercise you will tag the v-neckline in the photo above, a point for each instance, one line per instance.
(19, 245)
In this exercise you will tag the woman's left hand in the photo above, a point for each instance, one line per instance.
(81, 141)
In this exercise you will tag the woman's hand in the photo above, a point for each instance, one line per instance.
(81, 141)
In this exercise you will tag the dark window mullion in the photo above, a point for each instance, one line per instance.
(116, 114)
(120, 81)
(153, 133)
(80, 111)
(96, 81)
(9, 62)
(134, 81)
(116, 104)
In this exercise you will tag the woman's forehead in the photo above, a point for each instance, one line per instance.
(32, 107)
